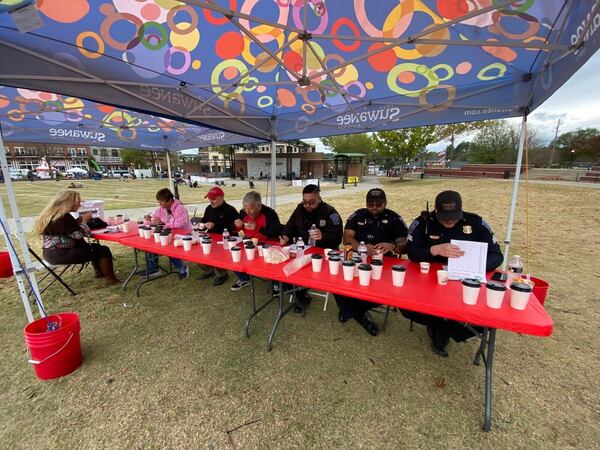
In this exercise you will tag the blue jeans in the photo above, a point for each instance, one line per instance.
(152, 262)
(242, 276)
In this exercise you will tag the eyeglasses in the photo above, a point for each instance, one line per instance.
(374, 205)
(310, 202)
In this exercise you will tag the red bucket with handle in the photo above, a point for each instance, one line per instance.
(6, 269)
(54, 353)
(540, 289)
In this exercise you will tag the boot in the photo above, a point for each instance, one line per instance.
(97, 271)
(106, 265)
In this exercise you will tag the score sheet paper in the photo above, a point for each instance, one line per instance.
(471, 264)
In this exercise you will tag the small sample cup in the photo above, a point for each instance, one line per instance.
(424, 267)
(398, 275)
(471, 289)
(317, 262)
(348, 268)
(442, 277)
(495, 294)
(364, 274)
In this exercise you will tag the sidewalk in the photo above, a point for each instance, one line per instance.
(281, 200)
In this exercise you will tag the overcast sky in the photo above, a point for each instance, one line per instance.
(576, 103)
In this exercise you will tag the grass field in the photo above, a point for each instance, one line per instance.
(175, 370)
(32, 197)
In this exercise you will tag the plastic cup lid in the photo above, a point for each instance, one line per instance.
(187, 238)
(377, 262)
(249, 245)
(495, 286)
(521, 287)
(334, 258)
(317, 256)
(365, 267)
(471, 282)
(235, 249)
(348, 263)
(398, 268)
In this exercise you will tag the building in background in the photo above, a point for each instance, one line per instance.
(108, 158)
(28, 156)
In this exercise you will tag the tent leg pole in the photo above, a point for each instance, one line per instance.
(21, 237)
(515, 192)
(171, 184)
(273, 172)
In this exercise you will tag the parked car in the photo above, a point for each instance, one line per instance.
(17, 174)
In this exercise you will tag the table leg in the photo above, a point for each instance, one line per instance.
(281, 311)
(147, 277)
(482, 344)
(136, 266)
(255, 311)
(489, 362)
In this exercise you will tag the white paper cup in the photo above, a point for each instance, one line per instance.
(165, 239)
(126, 227)
(317, 263)
(519, 295)
(250, 253)
(442, 277)
(260, 250)
(424, 267)
(334, 265)
(398, 275)
(148, 234)
(471, 289)
(187, 244)
(236, 254)
(364, 274)
(231, 242)
(206, 247)
(357, 262)
(157, 237)
(377, 267)
(141, 232)
(495, 294)
(325, 253)
(348, 270)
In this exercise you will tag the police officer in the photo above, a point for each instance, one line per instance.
(429, 240)
(384, 232)
(313, 211)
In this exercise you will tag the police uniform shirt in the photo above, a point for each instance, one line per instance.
(326, 219)
(424, 233)
(386, 227)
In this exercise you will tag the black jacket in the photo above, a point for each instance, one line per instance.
(424, 233)
(386, 227)
(223, 217)
(272, 229)
(325, 217)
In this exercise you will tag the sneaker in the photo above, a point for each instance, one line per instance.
(218, 281)
(151, 273)
(239, 285)
(184, 273)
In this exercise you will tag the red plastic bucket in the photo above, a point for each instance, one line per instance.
(6, 269)
(54, 353)
(540, 289)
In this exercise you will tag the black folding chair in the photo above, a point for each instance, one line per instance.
(57, 276)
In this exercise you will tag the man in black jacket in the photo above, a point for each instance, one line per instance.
(328, 227)
(218, 215)
(429, 239)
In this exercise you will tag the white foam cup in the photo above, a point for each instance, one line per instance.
(357, 262)
(236, 254)
(187, 243)
(206, 246)
(326, 253)
(424, 267)
(126, 227)
(148, 233)
(260, 249)
(364, 274)
(348, 269)
(495, 294)
(334, 265)
(250, 251)
(165, 239)
(471, 289)
(398, 275)
(377, 266)
(442, 277)
(157, 236)
(519, 295)
(231, 242)
(317, 262)
(141, 232)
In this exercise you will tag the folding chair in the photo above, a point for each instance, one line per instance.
(57, 276)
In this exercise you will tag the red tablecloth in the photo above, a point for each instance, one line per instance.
(420, 292)
(113, 237)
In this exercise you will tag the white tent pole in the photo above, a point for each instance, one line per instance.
(171, 184)
(22, 241)
(515, 192)
(273, 171)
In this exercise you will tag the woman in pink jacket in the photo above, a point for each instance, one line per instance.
(172, 214)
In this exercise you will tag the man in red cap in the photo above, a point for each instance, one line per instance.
(218, 216)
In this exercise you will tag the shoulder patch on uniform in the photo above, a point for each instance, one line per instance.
(335, 219)
(413, 225)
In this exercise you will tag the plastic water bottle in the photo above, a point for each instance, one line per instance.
(225, 237)
(311, 239)
(515, 265)
(299, 248)
(362, 252)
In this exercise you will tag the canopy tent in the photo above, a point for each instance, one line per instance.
(34, 116)
(290, 69)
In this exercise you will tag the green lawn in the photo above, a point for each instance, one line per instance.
(175, 370)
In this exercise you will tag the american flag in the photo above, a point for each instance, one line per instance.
(442, 156)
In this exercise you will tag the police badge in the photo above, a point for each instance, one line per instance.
(467, 229)
(322, 223)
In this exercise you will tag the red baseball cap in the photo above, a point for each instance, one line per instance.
(214, 193)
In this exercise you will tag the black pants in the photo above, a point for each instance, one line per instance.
(447, 328)
(353, 307)
(77, 255)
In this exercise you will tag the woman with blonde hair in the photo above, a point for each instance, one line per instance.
(64, 237)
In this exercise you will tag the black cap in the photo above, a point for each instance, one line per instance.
(448, 206)
(376, 195)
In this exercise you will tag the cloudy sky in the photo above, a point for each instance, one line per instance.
(576, 103)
